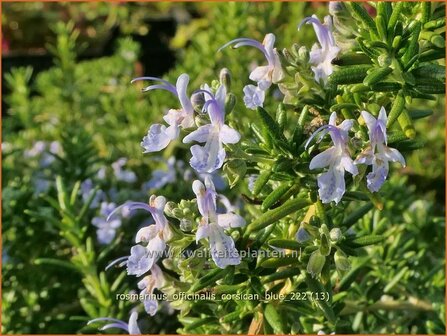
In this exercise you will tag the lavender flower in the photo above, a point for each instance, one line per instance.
(212, 225)
(45, 151)
(253, 96)
(121, 174)
(331, 184)
(208, 158)
(37, 149)
(267, 74)
(106, 229)
(160, 178)
(131, 328)
(86, 190)
(302, 235)
(378, 154)
(148, 285)
(321, 56)
(159, 136)
(154, 236)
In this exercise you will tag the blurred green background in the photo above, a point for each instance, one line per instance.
(66, 74)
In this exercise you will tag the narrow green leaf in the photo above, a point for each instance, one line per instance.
(413, 46)
(386, 87)
(393, 282)
(349, 75)
(274, 196)
(419, 114)
(397, 8)
(279, 275)
(285, 243)
(209, 279)
(278, 262)
(274, 215)
(56, 262)
(317, 287)
(261, 181)
(273, 318)
(271, 126)
(363, 15)
(201, 322)
(355, 215)
(366, 240)
(406, 124)
(396, 109)
(381, 26)
(377, 75)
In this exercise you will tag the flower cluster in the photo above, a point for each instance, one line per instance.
(338, 159)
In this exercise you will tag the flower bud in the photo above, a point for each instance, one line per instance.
(303, 54)
(335, 234)
(342, 262)
(225, 78)
(286, 57)
(316, 263)
(230, 103)
(384, 60)
(169, 207)
(177, 213)
(185, 225)
(197, 101)
(325, 247)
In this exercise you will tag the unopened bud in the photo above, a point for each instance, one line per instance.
(225, 78)
(169, 207)
(316, 263)
(230, 103)
(335, 234)
(185, 225)
(303, 54)
(342, 262)
(197, 101)
(325, 247)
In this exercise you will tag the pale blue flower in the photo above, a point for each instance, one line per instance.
(302, 235)
(121, 174)
(159, 136)
(86, 190)
(331, 184)
(267, 74)
(131, 327)
(212, 225)
(106, 229)
(46, 152)
(101, 174)
(160, 178)
(251, 182)
(218, 181)
(378, 154)
(321, 56)
(208, 158)
(37, 149)
(41, 184)
(147, 285)
(253, 96)
(154, 236)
